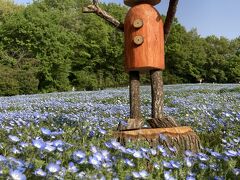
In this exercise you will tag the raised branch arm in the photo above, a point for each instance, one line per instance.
(170, 17)
(103, 14)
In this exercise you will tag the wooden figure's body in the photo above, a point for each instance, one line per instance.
(144, 39)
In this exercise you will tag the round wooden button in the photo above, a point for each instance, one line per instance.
(138, 23)
(138, 40)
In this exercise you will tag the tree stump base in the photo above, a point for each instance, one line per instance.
(164, 122)
(181, 138)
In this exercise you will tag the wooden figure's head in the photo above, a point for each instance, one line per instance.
(132, 3)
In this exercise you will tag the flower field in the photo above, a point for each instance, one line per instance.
(68, 135)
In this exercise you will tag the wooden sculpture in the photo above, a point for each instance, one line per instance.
(145, 34)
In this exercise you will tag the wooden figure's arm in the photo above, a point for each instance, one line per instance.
(94, 8)
(172, 8)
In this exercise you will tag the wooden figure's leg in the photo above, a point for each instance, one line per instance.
(135, 106)
(158, 118)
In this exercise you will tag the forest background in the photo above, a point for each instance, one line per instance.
(50, 45)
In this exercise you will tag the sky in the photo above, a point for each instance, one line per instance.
(209, 17)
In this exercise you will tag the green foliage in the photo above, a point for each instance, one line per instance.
(54, 46)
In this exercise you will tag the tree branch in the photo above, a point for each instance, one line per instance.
(103, 14)
(170, 17)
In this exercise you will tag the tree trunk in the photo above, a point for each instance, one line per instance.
(158, 118)
(135, 121)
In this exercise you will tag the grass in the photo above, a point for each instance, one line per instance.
(67, 135)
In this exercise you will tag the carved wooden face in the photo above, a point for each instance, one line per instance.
(132, 3)
(144, 39)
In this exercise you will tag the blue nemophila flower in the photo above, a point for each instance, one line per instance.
(175, 164)
(102, 131)
(167, 175)
(189, 153)
(58, 143)
(162, 137)
(49, 148)
(129, 162)
(231, 153)
(202, 157)
(161, 149)
(189, 161)
(156, 165)
(23, 144)
(218, 178)
(53, 167)
(15, 150)
(236, 171)
(137, 154)
(94, 161)
(46, 131)
(190, 178)
(144, 174)
(105, 154)
(167, 164)
(93, 149)
(13, 138)
(72, 168)
(40, 172)
(216, 154)
(39, 143)
(99, 156)
(78, 155)
(115, 144)
(56, 133)
(202, 166)
(136, 174)
(153, 152)
(17, 175)
(3, 158)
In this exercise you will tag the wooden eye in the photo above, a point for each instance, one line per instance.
(138, 23)
(138, 40)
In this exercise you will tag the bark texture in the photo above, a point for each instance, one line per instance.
(159, 120)
(135, 105)
(172, 8)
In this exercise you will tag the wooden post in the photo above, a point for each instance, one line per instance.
(134, 94)
(157, 93)
(158, 118)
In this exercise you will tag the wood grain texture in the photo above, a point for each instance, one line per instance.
(132, 3)
(150, 54)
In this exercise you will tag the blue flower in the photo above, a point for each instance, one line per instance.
(58, 143)
(144, 174)
(46, 131)
(236, 171)
(129, 162)
(167, 175)
(94, 161)
(189, 162)
(14, 138)
(167, 164)
(78, 155)
(231, 153)
(72, 168)
(136, 174)
(49, 148)
(175, 164)
(17, 175)
(39, 143)
(137, 154)
(53, 167)
(40, 172)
